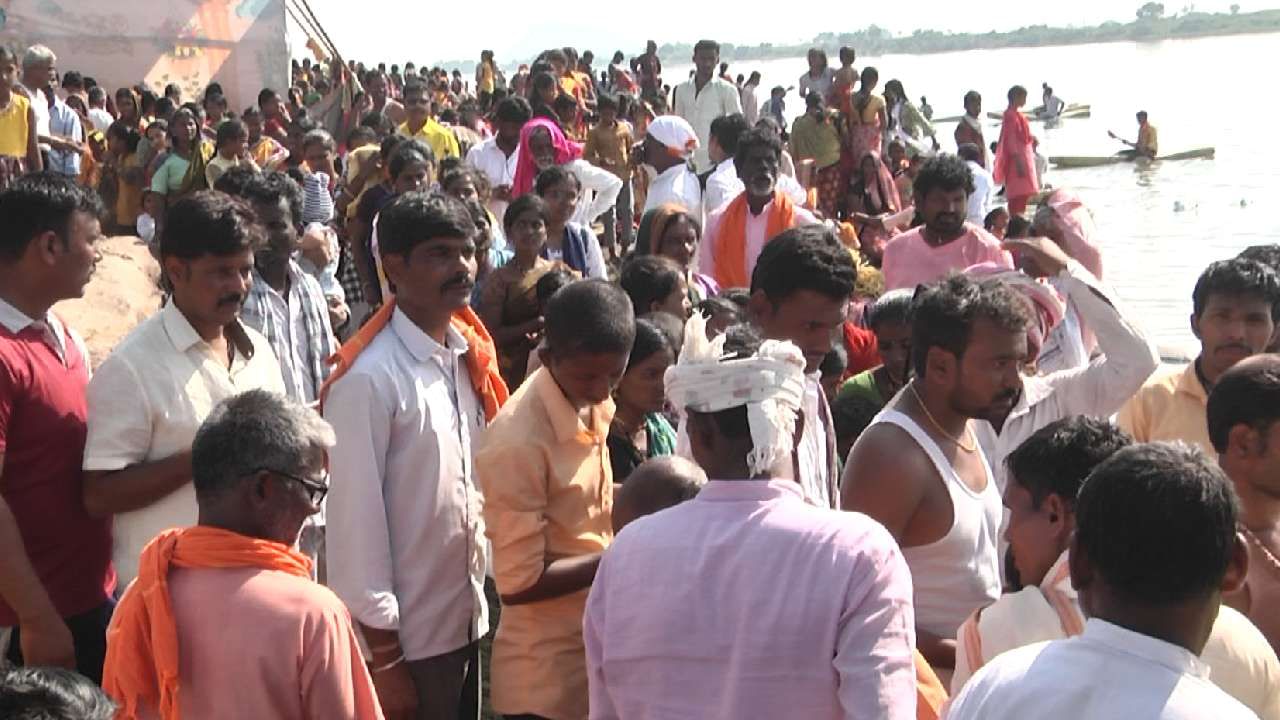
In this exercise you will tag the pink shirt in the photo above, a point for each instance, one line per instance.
(749, 602)
(256, 643)
(910, 261)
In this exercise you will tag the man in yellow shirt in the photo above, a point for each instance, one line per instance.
(421, 126)
(1148, 145)
(1235, 306)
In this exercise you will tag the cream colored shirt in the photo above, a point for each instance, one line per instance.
(146, 402)
(716, 99)
(1170, 406)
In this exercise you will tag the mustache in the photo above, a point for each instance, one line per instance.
(462, 280)
(1236, 346)
(233, 299)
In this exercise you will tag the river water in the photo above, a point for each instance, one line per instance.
(1160, 225)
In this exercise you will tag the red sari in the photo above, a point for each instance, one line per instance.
(1014, 151)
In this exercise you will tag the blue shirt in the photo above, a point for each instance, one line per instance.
(65, 123)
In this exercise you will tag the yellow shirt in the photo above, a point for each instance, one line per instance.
(548, 494)
(1148, 139)
(486, 77)
(13, 127)
(129, 195)
(1170, 406)
(442, 142)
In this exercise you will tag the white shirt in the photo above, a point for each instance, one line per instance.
(821, 84)
(984, 186)
(496, 165)
(1097, 389)
(676, 184)
(146, 402)
(101, 119)
(405, 539)
(814, 454)
(40, 103)
(1106, 673)
(750, 106)
(599, 188)
(718, 98)
(756, 230)
(723, 185)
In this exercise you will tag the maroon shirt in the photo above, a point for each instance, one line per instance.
(42, 434)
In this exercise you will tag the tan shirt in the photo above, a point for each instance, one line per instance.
(1170, 406)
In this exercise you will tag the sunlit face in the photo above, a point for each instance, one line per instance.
(679, 241)
(677, 301)
(705, 61)
(561, 199)
(527, 234)
(211, 288)
(416, 107)
(542, 149)
(438, 273)
(642, 385)
(1230, 329)
(944, 211)
(807, 318)
(1037, 536)
(989, 377)
(282, 235)
(74, 261)
(759, 171)
(463, 188)
(413, 176)
(586, 378)
(999, 225)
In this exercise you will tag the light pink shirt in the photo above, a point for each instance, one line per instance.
(757, 226)
(910, 261)
(256, 643)
(749, 602)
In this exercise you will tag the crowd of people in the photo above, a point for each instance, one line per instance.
(690, 420)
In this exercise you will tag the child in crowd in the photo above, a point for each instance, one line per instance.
(230, 150)
(832, 369)
(19, 151)
(657, 484)
(655, 283)
(997, 222)
(609, 147)
(568, 241)
(268, 153)
(548, 487)
(721, 314)
(122, 170)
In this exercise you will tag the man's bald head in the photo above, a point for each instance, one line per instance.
(657, 484)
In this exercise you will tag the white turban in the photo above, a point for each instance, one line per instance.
(674, 132)
(770, 384)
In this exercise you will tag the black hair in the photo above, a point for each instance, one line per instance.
(670, 325)
(891, 307)
(648, 279)
(209, 223)
(804, 258)
(943, 314)
(969, 152)
(564, 102)
(449, 116)
(1268, 255)
(835, 361)
(550, 283)
(713, 306)
(513, 109)
(376, 120)
(318, 136)
(41, 202)
(1058, 457)
(172, 89)
(971, 96)
(230, 131)
(1158, 523)
(711, 45)
(1142, 114)
(269, 187)
(851, 414)
(553, 176)
(126, 132)
(1015, 91)
(650, 339)
(741, 297)
(589, 316)
(754, 138)
(165, 106)
(645, 229)
(605, 101)
(1247, 394)
(1237, 277)
(50, 693)
(235, 180)
(72, 79)
(213, 88)
(728, 131)
(97, 94)
(521, 205)
(409, 152)
(990, 220)
(388, 146)
(456, 173)
(361, 135)
(414, 87)
(943, 172)
(417, 217)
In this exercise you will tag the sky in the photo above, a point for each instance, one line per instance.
(396, 31)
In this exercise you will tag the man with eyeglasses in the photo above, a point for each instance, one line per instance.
(223, 619)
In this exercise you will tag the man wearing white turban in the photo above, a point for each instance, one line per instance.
(768, 606)
(668, 144)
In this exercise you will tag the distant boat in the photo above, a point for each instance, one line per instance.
(1084, 161)
(1074, 110)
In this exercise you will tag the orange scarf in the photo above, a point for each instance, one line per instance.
(930, 695)
(142, 641)
(730, 269)
(481, 356)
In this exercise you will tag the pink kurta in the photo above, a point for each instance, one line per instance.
(747, 602)
(1016, 148)
(910, 261)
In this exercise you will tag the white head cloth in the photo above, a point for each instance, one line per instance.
(770, 384)
(675, 133)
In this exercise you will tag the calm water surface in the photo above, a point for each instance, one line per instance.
(1160, 225)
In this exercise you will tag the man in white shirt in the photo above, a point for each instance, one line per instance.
(1154, 548)
(405, 542)
(740, 229)
(705, 97)
(38, 73)
(667, 145)
(984, 185)
(750, 104)
(150, 395)
(723, 184)
(496, 156)
(98, 114)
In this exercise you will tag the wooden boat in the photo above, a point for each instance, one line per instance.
(1084, 161)
(1077, 110)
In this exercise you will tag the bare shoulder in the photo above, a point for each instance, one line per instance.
(886, 456)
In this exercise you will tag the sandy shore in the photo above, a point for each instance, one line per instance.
(121, 294)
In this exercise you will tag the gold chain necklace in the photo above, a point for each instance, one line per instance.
(1275, 563)
(959, 441)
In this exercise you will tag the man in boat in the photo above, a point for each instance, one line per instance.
(1148, 145)
(1053, 105)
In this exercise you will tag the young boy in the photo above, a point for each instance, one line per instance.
(231, 151)
(544, 470)
(609, 147)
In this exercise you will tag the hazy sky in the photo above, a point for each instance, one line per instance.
(395, 31)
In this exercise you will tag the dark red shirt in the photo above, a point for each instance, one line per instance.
(42, 434)
(861, 347)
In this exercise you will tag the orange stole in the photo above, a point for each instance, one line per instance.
(481, 356)
(930, 695)
(730, 269)
(142, 648)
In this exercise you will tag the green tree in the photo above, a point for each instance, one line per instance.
(1151, 11)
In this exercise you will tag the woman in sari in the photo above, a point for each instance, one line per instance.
(670, 231)
(875, 208)
(1015, 166)
(509, 302)
(867, 118)
(639, 431)
(182, 171)
(543, 145)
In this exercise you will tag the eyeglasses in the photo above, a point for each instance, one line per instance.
(315, 490)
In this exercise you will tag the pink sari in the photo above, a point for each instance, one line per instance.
(881, 198)
(1015, 148)
(526, 168)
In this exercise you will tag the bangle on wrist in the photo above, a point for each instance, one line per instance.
(388, 666)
